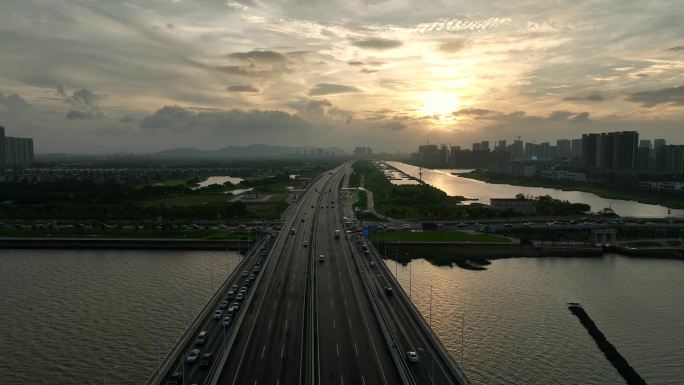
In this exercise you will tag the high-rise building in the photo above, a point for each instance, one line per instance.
(613, 150)
(15, 150)
(645, 143)
(427, 153)
(659, 143)
(576, 148)
(2, 145)
(517, 150)
(590, 150)
(443, 155)
(563, 148)
(363, 152)
(484, 145)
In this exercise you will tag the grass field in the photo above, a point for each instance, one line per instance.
(437, 236)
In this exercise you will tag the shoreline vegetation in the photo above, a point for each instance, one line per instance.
(425, 202)
(674, 201)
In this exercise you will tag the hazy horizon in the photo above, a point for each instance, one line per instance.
(140, 76)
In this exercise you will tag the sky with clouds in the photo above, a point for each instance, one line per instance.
(99, 76)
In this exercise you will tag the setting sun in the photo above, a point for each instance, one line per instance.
(438, 103)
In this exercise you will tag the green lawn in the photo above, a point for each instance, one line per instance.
(437, 236)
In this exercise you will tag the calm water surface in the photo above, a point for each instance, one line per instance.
(83, 317)
(517, 328)
(483, 191)
(86, 317)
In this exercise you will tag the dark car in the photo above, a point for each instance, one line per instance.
(206, 359)
(389, 291)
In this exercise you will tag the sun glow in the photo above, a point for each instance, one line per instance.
(438, 103)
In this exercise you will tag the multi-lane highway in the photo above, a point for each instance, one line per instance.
(315, 313)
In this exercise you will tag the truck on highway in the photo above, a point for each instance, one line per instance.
(337, 234)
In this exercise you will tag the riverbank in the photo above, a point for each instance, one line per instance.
(603, 191)
(122, 244)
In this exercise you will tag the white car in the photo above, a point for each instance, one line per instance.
(192, 356)
(412, 356)
(306, 243)
(217, 314)
(321, 258)
(227, 320)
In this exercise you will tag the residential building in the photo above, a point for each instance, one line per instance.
(363, 152)
(15, 151)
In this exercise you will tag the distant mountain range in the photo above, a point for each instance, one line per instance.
(251, 151)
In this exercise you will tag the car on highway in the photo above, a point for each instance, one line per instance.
(232, 308)
(321, 258)
(240, 297)
(206, 360)
(223, 305)
(412, 356)
(192, 356)
(245, 273)
(251, 277)
(175, 378)
(372, 264)
(389, 291)
(201, 338)
(227, 320)
(306, 243)
(217, 314)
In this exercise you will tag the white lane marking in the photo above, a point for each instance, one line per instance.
(334, 324)
(282, 351)
(350, 325)
(345, 302)
(341, 381)
(274, 305)
(255, 382)
(286, 321)
(288, 304)
(263, 351)
(269, 324)
(364, 380)
(329, 288)
(338, 348)
(331, 302)
(278, 381)
(355, 349)
(342, 285)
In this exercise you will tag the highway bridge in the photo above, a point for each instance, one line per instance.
(319, 307)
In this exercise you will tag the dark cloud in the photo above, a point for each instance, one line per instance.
(84, 102)
(368, 70)
(260, 56)
(393, 125)
(677, 48)
(13, 102)
(377, 43)
(588, 98)
(671, 95)
(77, 115)
(181, 119)
(242, 88)
(127, 119)
(580, 118)
(560, 115)
(170, 26)
(329, 89)
(476, 112)
(452, 45)
(355, 63)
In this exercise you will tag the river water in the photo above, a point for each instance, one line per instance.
(517, 328)
(483, 191)
(94, 317)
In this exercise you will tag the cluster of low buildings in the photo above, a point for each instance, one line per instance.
(599, 157)
(15, 151)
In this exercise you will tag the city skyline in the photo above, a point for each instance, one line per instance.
(134, 76)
